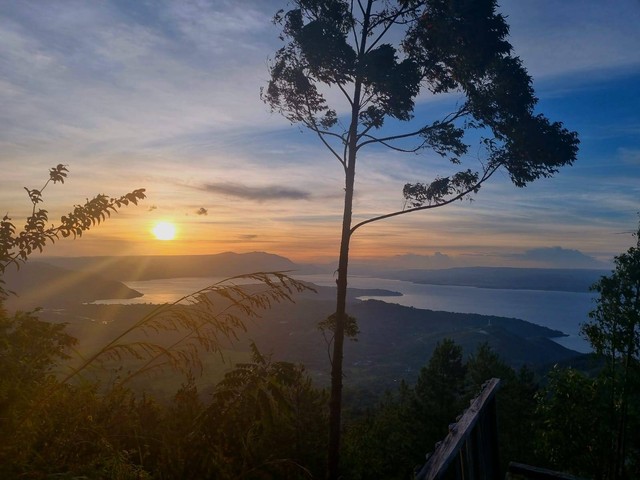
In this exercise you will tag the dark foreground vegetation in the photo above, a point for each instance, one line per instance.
(266, 419)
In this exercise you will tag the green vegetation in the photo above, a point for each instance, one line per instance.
(592, 421)
(264, 420)
(407, 423)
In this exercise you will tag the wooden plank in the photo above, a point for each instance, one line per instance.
(536, 473)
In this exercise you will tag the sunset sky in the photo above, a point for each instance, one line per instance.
(164, 95)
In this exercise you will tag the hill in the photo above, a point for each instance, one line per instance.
(38, 284)
(140, 267)
(395, 341)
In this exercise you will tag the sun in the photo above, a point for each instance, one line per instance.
(164, 231)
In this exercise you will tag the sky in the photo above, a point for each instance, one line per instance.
(164, 95)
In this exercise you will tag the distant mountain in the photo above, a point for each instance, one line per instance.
(557, 279)
(39, 284)
(131, 268)
(173, 266)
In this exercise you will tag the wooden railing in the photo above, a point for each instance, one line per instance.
(470, 450)
(519, 471)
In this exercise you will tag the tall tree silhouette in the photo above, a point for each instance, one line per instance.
(380, 55)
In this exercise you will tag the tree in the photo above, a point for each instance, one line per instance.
(266, 420)
(614, 334)
(441, 46)
(407, 425)
(17, 245)
(572, 431)
(387, 427)
(515, 400)
(438, 395)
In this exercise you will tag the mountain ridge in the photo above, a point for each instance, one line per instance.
(151, 267)
(140, 267)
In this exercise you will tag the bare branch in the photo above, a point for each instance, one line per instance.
(446, 121)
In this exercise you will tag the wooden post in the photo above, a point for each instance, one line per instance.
(472, 442)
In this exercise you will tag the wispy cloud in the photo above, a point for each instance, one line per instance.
(165, 95)
(556, 38)
(259, 194)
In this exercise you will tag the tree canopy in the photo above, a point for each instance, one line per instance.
(442, 47)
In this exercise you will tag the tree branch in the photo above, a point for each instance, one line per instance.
(448, 120)
(392, 147)
(346, 94)
(487, 174)
(389, 20)
(313, 126)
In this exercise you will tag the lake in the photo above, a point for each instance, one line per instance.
(564, 311)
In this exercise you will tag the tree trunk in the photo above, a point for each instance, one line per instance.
(335, 401)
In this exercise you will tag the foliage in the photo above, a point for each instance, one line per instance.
(382, 442)
(440, 47)
(199, 322)
(573, 431)
(588, 422)
(40, 419)
(444, 47)
(407, 426)
(392, 438)
(30, 349)
(47, 414)
(17, 245)
(515, 399)
(439, 390)
(265, 421)
(614, 329)
(614, 334)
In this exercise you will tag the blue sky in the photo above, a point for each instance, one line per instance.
(165, 95)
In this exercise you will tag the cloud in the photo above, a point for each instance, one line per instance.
(578, 36)
(558, 257)
(202, 211)
(247, 237)
(259, 194)
(437, 260)
(629, 156)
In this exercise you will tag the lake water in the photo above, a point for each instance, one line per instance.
(564, 311)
